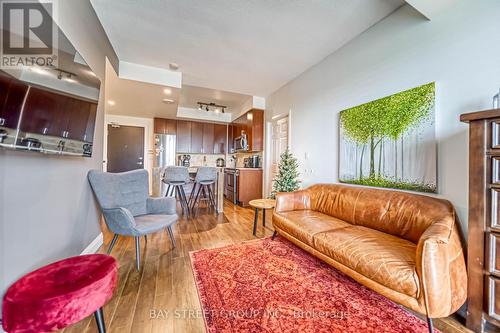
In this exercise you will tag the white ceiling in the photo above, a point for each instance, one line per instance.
(250, 47)
(190, 96)
(139, 99)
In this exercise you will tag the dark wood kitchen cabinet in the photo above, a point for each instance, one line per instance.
(12, 93)
(220, 139)
(54, 114)
(208, 138)
(43, 113)
(230, 138)
(165, 126)
(183, 136)
(252, 123)
(196, 138)
(483, 244)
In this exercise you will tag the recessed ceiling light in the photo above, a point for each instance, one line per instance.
(168, 101)
(111, 102)
(167, 91)
(173, 66)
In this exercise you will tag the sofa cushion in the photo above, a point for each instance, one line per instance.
(381, 257)
(304, 224)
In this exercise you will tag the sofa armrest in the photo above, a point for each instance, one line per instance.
(119, 220)
(440, 265)
(164, 205)
(288, 201)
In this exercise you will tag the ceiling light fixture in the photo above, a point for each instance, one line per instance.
(211, 107)
(111, 102)
(67, 76)
(173, 66)
(167, 91)
(168, 101)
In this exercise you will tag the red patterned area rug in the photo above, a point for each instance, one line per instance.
(276, 287)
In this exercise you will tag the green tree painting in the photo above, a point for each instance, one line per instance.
(390, 142)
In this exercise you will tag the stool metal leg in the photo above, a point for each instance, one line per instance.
(255, 220)
(183, 198)
(192, 194)
(99, 319)
(263, 217)
(137, 253)
(211, 196)
(115, 237)
(168, 191)
(196, 197)
(179, 196)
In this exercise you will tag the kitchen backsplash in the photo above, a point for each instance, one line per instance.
(202, 159)
(240, 158)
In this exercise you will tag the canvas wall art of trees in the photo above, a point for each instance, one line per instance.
(391, 142)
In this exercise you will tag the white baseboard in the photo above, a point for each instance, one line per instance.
(94, 245)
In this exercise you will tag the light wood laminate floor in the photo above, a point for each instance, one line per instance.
(162, 296)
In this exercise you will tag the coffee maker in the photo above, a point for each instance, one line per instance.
(255, 161)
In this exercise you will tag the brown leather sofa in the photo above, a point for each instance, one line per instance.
(404, 246)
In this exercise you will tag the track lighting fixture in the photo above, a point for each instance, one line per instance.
(211, 107)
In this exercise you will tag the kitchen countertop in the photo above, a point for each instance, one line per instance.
(247, 169)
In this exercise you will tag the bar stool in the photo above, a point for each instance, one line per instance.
(176, 177)
(206, 177)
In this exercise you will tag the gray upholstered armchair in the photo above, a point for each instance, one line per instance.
(127, 208)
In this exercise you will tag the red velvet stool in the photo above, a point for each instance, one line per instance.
(60, 294)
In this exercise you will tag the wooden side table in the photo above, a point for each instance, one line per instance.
(261, 204)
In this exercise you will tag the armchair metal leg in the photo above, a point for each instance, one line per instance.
(110, 248)
(99, 319)
(275, 233)
(171, 234)
(137, 253)
(430, 325)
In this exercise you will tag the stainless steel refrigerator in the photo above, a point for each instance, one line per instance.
(165, 156)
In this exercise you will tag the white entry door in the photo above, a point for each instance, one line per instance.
(279, 145)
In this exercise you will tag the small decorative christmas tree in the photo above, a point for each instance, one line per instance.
(286, 179)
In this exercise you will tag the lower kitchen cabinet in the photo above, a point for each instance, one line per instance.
(242, 185)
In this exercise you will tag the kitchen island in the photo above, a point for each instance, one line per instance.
(159, 189)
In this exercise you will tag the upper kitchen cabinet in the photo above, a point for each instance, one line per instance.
(165, 126)
(252, 123)
(208, 138)
(220, 139)
(50, 113)
(230, 138)
(12, 93)
(255, 129)
(196, 138)
(183, 136)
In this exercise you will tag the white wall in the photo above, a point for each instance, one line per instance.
(47, 210)
(459, 49)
